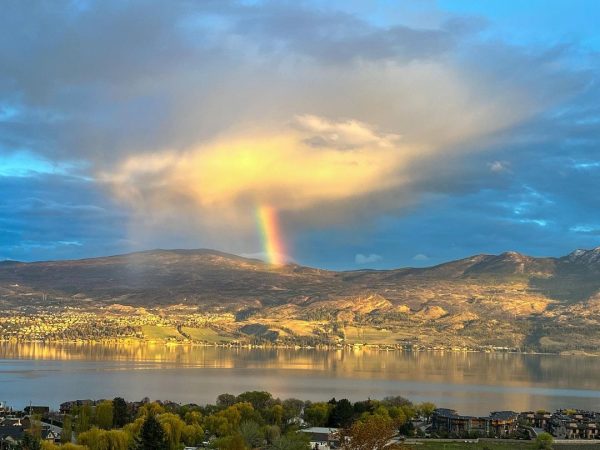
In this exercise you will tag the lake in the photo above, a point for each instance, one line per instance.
(473, 383)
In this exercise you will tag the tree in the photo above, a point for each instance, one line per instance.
(83, 418)
(291, 441)
(341, 414)
(67, 431)
(544, 441)
(225, 400)
(427, 409)
(98, 439)
(252, 434)
(173, 426)
(120, 412)
(258, 399)
(233, 442)
(373, 433)
(152, 436)
(30, 442)
(317, 414)
(104, 415)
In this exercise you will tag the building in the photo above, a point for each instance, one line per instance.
(322, 438)
(498, 423)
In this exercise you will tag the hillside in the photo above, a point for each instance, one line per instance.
(508, 300)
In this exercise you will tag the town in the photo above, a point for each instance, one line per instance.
(257, 420)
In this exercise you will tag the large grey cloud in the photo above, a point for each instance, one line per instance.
(104, 82)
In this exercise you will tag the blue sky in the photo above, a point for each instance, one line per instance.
(384, 134)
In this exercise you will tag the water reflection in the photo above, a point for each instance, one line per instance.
(473, 382)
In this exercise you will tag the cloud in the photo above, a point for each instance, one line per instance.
(421, 257)
(190, 114)
(371, 258)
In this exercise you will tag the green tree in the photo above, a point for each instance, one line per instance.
(98, 439)
(427, 409)
(544, 441)
(291, 441)
(120, 412)
(341, 414)
(104, 415)
(252, 434)
(30, 442)
(232, 442)
(317, 414)
(152, 435)
(84, 414)
(173, 426)
(258, 399)
(67, 430)
(226, 400)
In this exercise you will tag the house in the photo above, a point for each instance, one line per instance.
(503, 423)
(11, 435)
(322, 438)
(498, 423)
(37, 410)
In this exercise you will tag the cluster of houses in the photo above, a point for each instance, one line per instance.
(13, 425)
(562, 424)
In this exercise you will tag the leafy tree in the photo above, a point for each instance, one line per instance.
(84, 414)
(317, 414)
(252, 434)
(373, 433)
(258, 399)
(292, 408)
(104, 415)
(192, 435)
(193, 417)
(153, 409)
(67, 431)
(544, 441)
(31, 442)
(272, 432)
(427, 409)
(98, 439)
(341, 414)
(152, 435)
(396, 401)
(291, 441)
(232, 442)
(120, 412)
(173, 426)
(225, 400)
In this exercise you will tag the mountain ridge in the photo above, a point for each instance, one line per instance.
(508, 300)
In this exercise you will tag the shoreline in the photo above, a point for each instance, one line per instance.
(322, 347)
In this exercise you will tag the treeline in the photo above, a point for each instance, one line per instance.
(252, 420)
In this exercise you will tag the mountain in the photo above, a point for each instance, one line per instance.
(509, 300)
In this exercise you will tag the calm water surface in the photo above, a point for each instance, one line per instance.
(474, 383)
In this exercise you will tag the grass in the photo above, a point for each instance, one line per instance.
(156, 333)
(498, 445)
(208, 335)
(491, 445)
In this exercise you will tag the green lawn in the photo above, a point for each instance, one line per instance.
(487, 445)
(208, 335)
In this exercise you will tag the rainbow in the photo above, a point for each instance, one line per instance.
(271, 235)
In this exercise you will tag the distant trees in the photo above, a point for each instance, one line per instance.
(247, 421)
